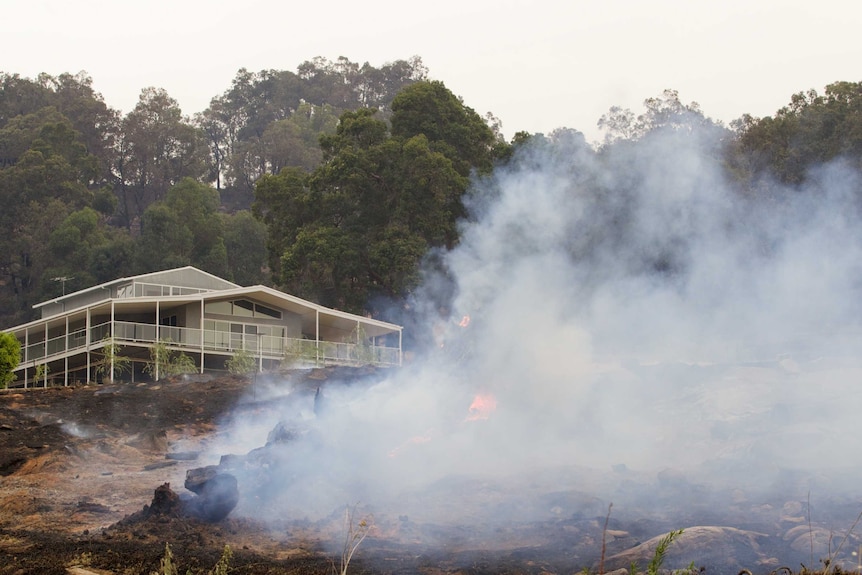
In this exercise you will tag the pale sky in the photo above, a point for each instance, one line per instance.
(536, 64)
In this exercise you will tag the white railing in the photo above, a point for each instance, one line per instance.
(196, 340)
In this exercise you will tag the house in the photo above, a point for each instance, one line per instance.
(190, 311)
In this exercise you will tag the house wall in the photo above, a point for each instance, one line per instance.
(191, 316)
(80, 300)
(186, 277)
(291, 322)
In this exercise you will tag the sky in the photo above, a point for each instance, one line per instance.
(537, 65)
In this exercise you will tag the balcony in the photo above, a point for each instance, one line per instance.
(199, 341)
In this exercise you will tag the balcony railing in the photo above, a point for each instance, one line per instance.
(197, 340)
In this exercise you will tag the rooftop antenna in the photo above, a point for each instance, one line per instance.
(63, 280)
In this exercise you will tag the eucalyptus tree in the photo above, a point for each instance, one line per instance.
(811, 129)
(157, 148)
(357, 227)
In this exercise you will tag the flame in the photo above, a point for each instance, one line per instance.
(465, 321)
(480, 409)
(415, 440)
(482, 406)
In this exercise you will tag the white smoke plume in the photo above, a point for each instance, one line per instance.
(631, 310)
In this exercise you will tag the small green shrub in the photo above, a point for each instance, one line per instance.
(241, 363)
(166, 362)
(661, 551)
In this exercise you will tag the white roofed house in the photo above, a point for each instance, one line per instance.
(190, 311)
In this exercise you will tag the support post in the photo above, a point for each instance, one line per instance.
(26, 353)
(201, 326)
(111, 341)
(88, 335)
(317, 336)
(158, 338)
(66, 361)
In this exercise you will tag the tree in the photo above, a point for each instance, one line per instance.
(283, 203)
(166, 241)
(664, 111)
(10, 356)
(455, 130)
(245, 243)
(359, 225)
(810, 130)
(184, 229)
(112, 363)
(241, 363)
(158, 147)
(167, 362)
(273, 119)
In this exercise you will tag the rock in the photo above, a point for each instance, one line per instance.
(281, 433)
(183, 455)
(159, 465)
(216, 498)
(197, 478)
(724, 549)
(217, 493)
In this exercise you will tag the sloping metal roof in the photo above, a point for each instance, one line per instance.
(188, 276)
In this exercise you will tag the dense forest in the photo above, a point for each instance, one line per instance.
(333, 182)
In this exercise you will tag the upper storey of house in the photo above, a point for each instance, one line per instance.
(175, 282)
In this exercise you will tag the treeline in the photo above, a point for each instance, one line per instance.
(89, 195)
(332, 182)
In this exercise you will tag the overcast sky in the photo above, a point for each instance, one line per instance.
(536, 64)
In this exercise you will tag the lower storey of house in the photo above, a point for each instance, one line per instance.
(106, 360)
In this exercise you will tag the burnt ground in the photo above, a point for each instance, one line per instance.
(79, 468)
(74, 462)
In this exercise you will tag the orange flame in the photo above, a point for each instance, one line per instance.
(465, 321)
(415, 440)
(482, 406)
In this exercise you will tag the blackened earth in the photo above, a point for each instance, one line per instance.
(94, 480)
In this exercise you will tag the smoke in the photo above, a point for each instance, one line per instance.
(631, 311)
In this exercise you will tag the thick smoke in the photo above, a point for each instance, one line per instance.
(626, 312)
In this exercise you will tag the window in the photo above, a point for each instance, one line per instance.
(263, 311)
(242, 308)
(218, 307)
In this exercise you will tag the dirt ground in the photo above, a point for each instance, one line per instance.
(74, 462)
(79, 467)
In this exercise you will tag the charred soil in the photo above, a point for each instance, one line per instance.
(79, 466)
(81, 469)
(91, 477)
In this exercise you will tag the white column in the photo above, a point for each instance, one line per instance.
(87, 340)
(317, 335)
(356, 347)
(66, 349)
(201, 326)
(111, 341)
(157, 337)
(26, 353)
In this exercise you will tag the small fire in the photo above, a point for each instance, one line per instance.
(465, 321)
(482, 406)
(415, 440)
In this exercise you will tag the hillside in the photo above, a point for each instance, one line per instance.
(80, 467)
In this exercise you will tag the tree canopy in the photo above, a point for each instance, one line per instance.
(358, 227)
(334, 181)
(10, 356)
